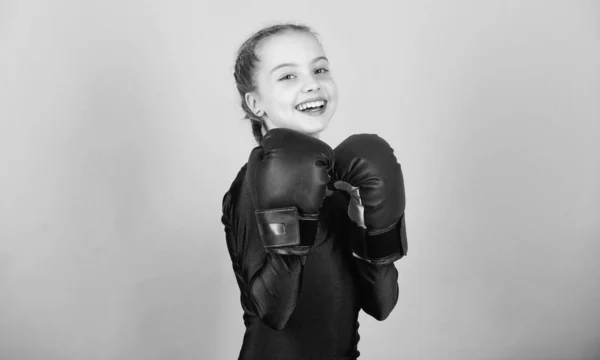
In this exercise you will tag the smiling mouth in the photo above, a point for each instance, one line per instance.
(312, 106)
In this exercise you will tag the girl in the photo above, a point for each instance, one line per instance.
(312, 232)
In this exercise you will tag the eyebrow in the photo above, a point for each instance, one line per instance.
(292, 64)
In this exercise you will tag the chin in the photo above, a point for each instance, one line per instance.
(315, 126)
(312, 125)
(313, 130)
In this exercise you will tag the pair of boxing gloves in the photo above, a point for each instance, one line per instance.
(289, 175)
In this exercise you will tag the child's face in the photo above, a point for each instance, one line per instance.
(292, 72)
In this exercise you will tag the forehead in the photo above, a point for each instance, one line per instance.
(289, 47)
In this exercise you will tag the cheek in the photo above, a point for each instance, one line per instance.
(331, 88)
(284, 97)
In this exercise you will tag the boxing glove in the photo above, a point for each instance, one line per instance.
(367, 169)
(288, 176)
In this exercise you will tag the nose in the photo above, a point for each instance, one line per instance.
(311, 84)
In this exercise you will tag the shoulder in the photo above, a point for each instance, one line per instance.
(232, 196)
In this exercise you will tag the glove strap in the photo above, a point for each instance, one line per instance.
(284, 228)
(381, 247)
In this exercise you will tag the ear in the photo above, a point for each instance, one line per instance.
(253, 103)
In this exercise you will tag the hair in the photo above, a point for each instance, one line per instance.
(245, 65)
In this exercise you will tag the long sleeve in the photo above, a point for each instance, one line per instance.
(275, 288)
(378, 281)
(269, 284)
(379, 288)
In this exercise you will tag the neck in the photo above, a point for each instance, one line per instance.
(266, 127)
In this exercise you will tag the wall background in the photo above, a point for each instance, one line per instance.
(119, 135)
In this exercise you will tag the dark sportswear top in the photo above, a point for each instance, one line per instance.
(303, 307)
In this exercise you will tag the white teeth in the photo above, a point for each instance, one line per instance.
(312, 104)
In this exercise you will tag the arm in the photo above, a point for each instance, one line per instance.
(378, 280)
(379, 288)
(275, 288)
(269, 283)
(276, 217)
(367, 170)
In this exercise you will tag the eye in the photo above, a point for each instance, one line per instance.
(321, 71)
(287, 77)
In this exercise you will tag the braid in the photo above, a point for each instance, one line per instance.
(257, 130)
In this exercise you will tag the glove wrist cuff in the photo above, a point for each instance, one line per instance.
(283, 229)
(381, 247)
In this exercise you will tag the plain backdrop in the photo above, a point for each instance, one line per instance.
(120, 132)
